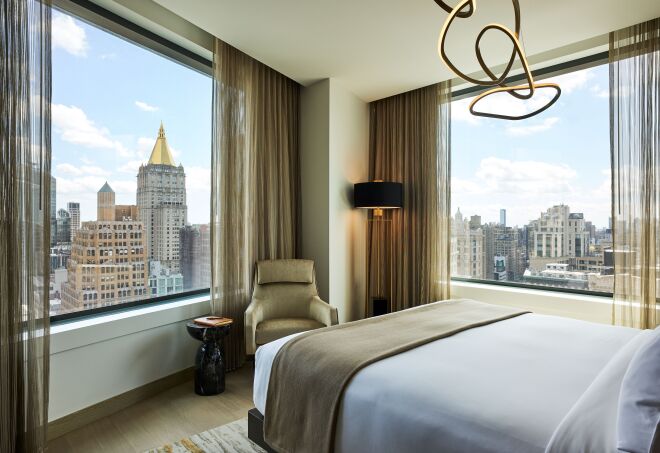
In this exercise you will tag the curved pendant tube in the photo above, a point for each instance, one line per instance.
(465, 9)
(510, 90)
(443, 36)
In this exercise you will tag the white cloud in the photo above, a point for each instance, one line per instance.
(520, 131)
(131, 167)
(75, 127)
(175, 153)
(519, 178)
(91, 184)
(460, 112)
(198, 179)
(69, 169)
(145, 107)
(571, 81)
(600, 92)
(144, 147)
(68, 35)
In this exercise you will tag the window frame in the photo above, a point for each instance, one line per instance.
(586, 62)
(123, 28)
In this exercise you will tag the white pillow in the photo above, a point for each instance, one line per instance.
(638, 423)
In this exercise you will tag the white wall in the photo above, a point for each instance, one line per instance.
(348, 164)
(314, 152)
(99, 358)
(334, 156)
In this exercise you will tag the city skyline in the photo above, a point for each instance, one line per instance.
(498, 216)
(130, 251)
(559, 156)
(561, 248)
(101, 133)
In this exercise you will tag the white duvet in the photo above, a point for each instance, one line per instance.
(520, 385)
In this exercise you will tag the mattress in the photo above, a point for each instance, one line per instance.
(505, 386)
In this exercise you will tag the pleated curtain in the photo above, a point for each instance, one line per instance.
(255, 186)
(25, 152)
(635, 145)
(409, 142)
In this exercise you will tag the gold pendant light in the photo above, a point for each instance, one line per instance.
(465, 9)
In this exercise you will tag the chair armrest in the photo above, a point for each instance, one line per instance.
(323, 312)
(254, 314)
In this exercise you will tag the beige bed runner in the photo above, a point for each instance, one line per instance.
(310, 372)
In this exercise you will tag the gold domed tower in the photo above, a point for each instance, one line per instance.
(161, 200)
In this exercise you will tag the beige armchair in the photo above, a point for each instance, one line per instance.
(285, 301)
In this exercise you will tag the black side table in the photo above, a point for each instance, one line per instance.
(209, 364)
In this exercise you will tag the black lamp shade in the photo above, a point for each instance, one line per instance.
(378, 195)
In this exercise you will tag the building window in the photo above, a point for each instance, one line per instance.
(126, 122)
(534, 195)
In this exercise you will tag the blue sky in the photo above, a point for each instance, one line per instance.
(559, 156)
(109, 97)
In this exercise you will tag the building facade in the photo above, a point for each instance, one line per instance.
(108, 262)
(53, 211)
(74, 213)
(161, 203)
(63, 232)
(195, 249)
(466, 247)
(558, 233)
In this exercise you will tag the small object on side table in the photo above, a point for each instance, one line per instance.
(209, 363)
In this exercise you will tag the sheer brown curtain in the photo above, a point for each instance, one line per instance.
(635, 143)
(409, 143)
(24, 223)
(255, 188)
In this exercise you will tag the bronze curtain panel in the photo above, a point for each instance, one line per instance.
(409, 142)
(635, 146)
(255, 184)
(25, 94)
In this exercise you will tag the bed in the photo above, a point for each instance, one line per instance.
(528, 383)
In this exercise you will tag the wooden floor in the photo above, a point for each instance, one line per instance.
(167, 417)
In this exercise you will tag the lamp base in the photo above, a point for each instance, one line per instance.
(379, 306)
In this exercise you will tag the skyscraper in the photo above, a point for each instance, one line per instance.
(195, 251)
(105, 203)
(558, 233)
(466, 248)
(53, 211)
(503, 217)
(108, 263)
(74, 212)
(161, 201)
(63, 226)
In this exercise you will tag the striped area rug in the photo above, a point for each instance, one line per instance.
(229, 438)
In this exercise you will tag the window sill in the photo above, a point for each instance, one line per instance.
(67, 335)
(577, 306)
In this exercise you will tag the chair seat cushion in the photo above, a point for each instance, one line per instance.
(272, 329)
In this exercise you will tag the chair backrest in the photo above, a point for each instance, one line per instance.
(286, 286)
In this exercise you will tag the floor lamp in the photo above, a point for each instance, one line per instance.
(378, 196)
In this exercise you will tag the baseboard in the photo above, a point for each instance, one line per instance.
(68, 423)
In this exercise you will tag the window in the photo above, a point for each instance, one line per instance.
(534, 196)
(131, 172)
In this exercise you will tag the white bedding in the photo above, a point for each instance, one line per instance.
(506, 386)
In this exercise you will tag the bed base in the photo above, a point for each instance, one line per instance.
(256, 429)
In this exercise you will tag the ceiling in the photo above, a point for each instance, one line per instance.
(378, 48)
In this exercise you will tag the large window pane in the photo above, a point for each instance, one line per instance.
(532, 198)
(131, 172)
